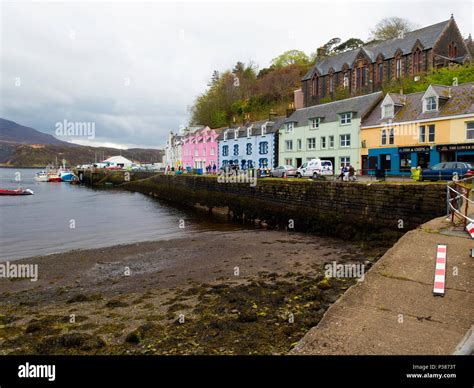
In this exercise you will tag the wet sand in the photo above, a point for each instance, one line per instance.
(228, 292)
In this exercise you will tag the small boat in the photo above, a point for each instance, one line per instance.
(16, 192)
(42, 176)
(75, 180)
(67, 176)
(54, 178)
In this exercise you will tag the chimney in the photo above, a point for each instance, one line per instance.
(321, 52)
(271, 115)
(298, 99)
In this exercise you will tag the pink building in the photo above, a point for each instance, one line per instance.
(200, 148)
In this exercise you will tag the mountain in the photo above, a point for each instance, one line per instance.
(22, 146)
(16, 133)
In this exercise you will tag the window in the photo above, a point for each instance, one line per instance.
(345, 118)
(311, 143)
(331, 141)
(315, 86)
(417, 62)
(391, 136)
(430, 104)
(290, 127)
(380, 72)
(331, 83)
(405, 161)
(399, 67)
(236, 134)
(470, 130)
(299, 144)
(289, 145)
(345, 81)
(264, 130)
(263, 163)
(236, 149)
(288, 161)
(263, 147)
(431, 133)
(384, 137)
(345, 140)
(196, 151)
(213, 150)
(249, 131)
(248, 149)
(323, 142)
(225, 136)
(421, 134)
(388, 110)
(225, 150)
(204, 151)
(314, 123)
(344, 161)
(452, 50)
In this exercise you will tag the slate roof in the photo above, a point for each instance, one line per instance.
(457, 100)
(330, 112)
(427, 37)
(256, 129)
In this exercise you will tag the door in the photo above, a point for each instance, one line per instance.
(424, 159)
(386, 162)
(373, 163)
(365, 164)
(299, 162)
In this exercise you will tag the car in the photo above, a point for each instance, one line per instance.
(283, 171)
(446, 170)
(315, 168)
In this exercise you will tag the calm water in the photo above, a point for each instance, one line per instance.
(40, 224)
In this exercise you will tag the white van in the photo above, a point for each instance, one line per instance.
(315, 167)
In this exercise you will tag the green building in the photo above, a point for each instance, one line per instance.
(327, 131)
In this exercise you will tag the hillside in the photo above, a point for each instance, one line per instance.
(22, 146)
(16, 133)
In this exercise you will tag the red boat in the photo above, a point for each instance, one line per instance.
(16, 192)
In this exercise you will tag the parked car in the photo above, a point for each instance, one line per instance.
(315, 168)
(283, 171)
(445, 171)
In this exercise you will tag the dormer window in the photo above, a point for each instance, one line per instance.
(345, 118)
(290, 127)
(225, 136)
(431, 104)
(264, 130)
(236, 134)
(388, 111)
(249, 131)
(314, 123)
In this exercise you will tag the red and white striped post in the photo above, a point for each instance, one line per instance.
(440, 270)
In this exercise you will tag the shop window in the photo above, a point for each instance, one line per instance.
(405, 162)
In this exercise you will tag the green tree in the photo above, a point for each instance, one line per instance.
(390, 28)
(290, 57)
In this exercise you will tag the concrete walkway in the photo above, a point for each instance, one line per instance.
(393, 311)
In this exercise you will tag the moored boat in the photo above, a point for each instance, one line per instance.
(41, 176)
(54, 178)
(16, 192)
(67, 176)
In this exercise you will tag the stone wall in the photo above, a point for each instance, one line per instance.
(327, 208)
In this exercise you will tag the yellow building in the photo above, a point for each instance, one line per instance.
(419, 129)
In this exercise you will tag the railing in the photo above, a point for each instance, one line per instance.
(458, 201)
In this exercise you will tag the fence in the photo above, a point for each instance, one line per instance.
(459, 204)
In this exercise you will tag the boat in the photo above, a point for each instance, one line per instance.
(75, 180)
(54, 178)
(16, 192)
(42, 176)
(67, 176)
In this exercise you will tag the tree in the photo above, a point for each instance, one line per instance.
(290, 57)
(390, 28)
(349, 44)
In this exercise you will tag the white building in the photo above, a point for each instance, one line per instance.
(118, 161)
(173, 151)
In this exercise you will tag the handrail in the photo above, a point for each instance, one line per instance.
(458, 193)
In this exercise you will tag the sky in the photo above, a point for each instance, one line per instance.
(131, 70)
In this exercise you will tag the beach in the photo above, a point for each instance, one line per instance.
(215, 292)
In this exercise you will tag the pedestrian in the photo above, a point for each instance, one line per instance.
(351, 173)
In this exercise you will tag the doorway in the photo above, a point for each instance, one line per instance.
(299, 162)
(424, 159)
(386, 162)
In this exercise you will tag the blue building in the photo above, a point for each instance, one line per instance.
(254, 145)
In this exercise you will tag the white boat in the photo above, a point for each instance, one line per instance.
(42, 176)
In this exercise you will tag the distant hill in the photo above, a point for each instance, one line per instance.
(22, 146)
(16, 133)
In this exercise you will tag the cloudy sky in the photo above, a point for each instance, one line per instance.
(134, 68)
